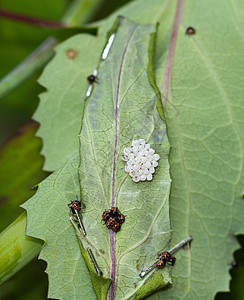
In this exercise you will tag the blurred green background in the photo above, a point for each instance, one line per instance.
(20, 161)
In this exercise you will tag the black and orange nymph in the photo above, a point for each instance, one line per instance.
(113, 219)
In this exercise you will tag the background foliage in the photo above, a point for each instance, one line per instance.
(16, 109)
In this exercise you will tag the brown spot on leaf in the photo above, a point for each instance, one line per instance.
(134, 285)
(72, 53)
(138, 266)
(101, 251)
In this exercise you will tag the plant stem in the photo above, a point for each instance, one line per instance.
(171, 55)
(30, 20)
(81, 11)
(16, 249)
(28, 67)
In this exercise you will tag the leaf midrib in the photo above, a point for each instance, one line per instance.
(113, 270)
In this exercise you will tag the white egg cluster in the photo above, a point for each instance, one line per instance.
(141, 160)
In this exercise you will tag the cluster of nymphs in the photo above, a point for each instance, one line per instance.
(141, 161)
(164, 258)
(113, 219)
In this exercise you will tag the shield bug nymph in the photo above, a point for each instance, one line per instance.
(75, 207)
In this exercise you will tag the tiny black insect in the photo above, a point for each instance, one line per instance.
(190, 30)
(92, 78)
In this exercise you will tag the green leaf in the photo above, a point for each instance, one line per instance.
(65, 78)
(159, 281)
(49, 205)
(19, 173)
(16, 249)
(207, 177)
(100, 283)
(205, 124)
(121, 108)
(205, 130)
(81, 11)
(67, 271)
(61, 107)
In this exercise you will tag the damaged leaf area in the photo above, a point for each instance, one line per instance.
(122, 108)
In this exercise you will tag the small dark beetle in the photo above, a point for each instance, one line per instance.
(190, 30)
(91, 79)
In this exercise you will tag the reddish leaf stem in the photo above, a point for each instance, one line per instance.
(30, 20)
(169, 66)
(113, 265)
(112, 234)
